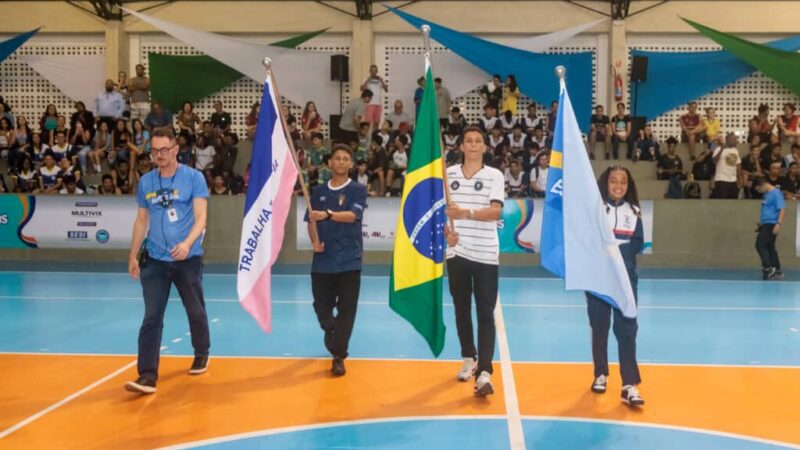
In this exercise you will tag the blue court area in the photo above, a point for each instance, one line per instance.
(680, 322)
(683, 321)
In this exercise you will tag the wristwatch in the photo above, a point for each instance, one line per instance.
(330, 213)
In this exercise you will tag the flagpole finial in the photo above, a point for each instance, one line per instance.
(561, 72)
(426, 36)
(267, 62)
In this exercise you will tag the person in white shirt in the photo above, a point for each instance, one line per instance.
(728, 174)
(515, 186)
(538, 176)
(375, 84)
(399, 116)
(475, 204)
(109, 105)
(70, 186)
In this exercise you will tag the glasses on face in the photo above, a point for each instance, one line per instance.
(163, 151)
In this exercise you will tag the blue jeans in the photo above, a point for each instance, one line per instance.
(157, 278)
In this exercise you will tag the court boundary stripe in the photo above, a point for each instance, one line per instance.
(233, 275)
(533, 418)
(316, 426)
(378, 303)
(516, 436)
(707, 431)
(387, 359)
(64, 401)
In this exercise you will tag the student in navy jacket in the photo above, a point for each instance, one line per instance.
(618, 191)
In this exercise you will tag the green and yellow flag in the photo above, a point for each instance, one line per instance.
(415, 284)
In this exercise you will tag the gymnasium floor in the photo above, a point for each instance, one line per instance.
(720, 362)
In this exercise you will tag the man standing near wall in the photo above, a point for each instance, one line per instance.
(773, 209)
(139, 89)
(374, 109)
(173, 202)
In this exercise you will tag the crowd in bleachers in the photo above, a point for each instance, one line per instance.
(109, 144)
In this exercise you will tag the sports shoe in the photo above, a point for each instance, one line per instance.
(599, 385)
(467, 369)
(483, 385)
(630, 396)
(337, 368)
(142, 385)
(199, 365)
(765, 273)
(777, 275)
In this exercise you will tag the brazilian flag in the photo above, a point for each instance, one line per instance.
(415, 285)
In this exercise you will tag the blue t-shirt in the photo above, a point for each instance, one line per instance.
(180, 190)
(771, 207)
(344, 244)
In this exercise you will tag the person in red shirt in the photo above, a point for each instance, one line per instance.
(690, 128)
(787, 123)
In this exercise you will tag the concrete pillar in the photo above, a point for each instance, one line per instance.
(362, 54)
(117, 49)
(618, 52)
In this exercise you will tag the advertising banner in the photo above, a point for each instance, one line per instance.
(80, 222)
(519, 230)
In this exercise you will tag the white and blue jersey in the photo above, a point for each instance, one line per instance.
(169, 202)
(626, 223)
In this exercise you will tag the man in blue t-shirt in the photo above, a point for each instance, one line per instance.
(773, 209)
(173, 202)
(337, 208)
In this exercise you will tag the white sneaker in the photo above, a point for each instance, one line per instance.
(630, 396)
(467, 370)
(483, 385)
(599, 385)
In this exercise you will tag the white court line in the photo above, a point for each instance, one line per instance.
(386, 277)
(367, 302)
(401, 359)
(65, 400)
(315, 426)
(623, 423)
(516, 436)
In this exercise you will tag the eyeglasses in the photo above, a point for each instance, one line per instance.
(162, 151)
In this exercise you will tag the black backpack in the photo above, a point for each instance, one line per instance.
(692, 190)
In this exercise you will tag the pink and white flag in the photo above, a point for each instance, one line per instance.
(269, 193)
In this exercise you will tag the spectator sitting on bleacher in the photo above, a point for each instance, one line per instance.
(101, 146)
(551, 122)
(398, 162)
(751, 168)
(771, 154)
(621, 132)
(761, 125)
(488, 120)
(364, 137)
(363, 177)
(251, 121)
(61, 125)
(530, 121)
(710, 127)
(49, 179)
(357, 149)
(140, 139)
(794, 155)
(496, 138)
(143, 165)
(21, 144)
(5, 111)
(25, 179)
(405, 131)
(791, 187)
(398, 115)
(457, 120)
(704, 166)
(517, 142)
(310, 121)
(538, 176)
(61, 149)
(294, 132)
(727, 176)
(452, 147)
(530, 157)
(787, 123)
(120, 137)
(37, 150)
(204, 154)
(773, 176)
(670, 164)
(107, 186)
(70, 186)
(507, 121)
(229, 151)
(324, 171)
(158, 119)
(82, 116)
(492, 92)
(316, 155)
(384, 134)
(539, 138)
(6, 139)
(48, 122)
(376, 164)
(186, 155)
(647, 147)
(690, 128)
(599, 128)
(66, 167)
(220, 185)
(122, 177)
(515, 183)
(188, 120)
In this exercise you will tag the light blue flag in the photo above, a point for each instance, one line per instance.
(578, 244)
